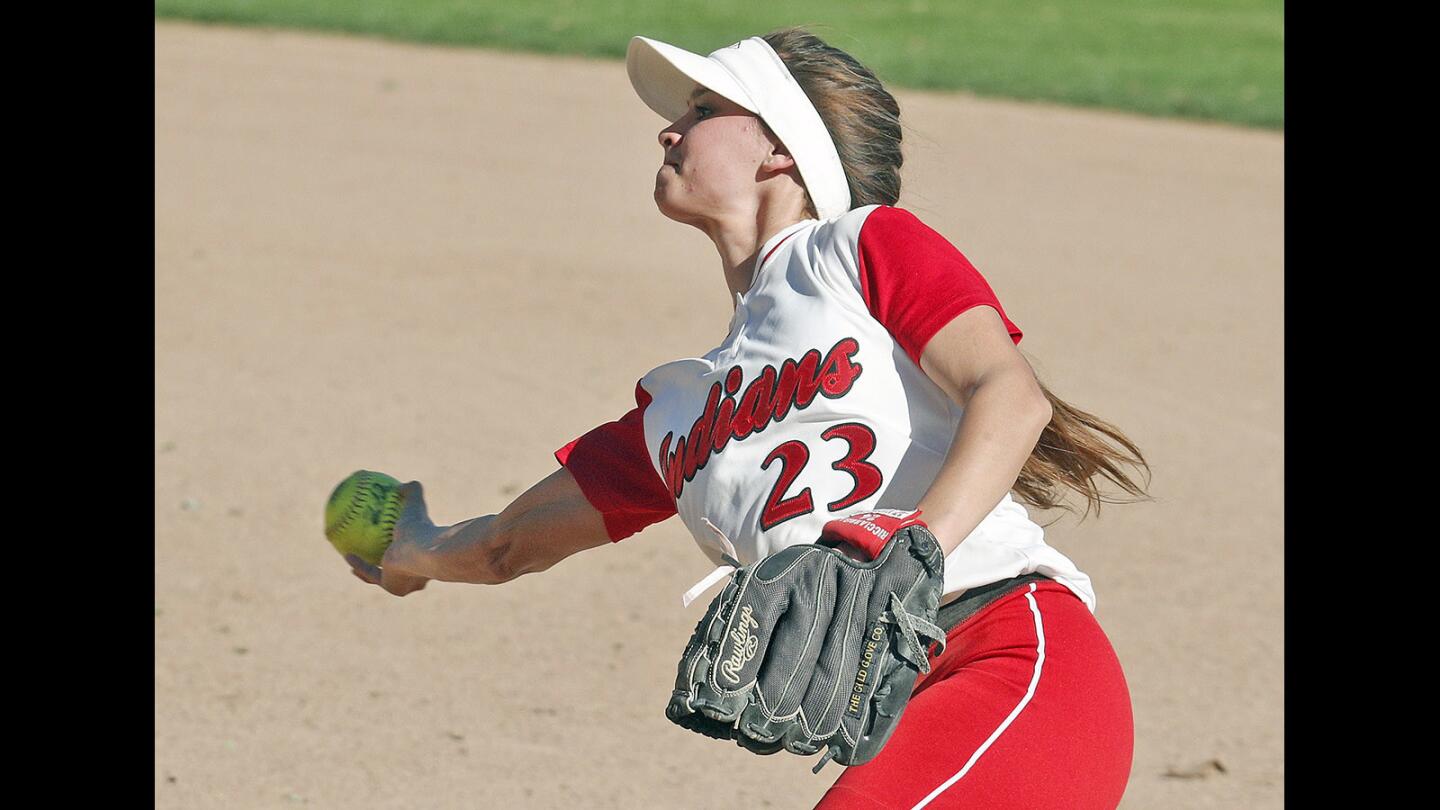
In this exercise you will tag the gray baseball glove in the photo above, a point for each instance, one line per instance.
(811, 648)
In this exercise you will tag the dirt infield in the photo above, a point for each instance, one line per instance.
(446, 263)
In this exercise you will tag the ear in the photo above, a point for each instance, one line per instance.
(778, 160)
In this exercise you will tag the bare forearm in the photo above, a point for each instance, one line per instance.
(547, 523)
(464, 552)
(1004, 417)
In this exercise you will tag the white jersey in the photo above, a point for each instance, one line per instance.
(809, 410)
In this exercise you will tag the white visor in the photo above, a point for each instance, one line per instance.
(752, 75)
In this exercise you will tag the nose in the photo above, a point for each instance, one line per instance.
(669, 137)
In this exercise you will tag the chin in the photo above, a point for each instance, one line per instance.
(668, 209)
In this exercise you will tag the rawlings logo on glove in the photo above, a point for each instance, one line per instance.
(743, 645)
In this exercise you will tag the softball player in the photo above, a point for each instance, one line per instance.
(868, 365)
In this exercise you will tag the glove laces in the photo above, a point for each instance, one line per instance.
(912, 628)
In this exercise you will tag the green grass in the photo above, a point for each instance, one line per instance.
(1218, 60)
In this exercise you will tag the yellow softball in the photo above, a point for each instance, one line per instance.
(361, 513)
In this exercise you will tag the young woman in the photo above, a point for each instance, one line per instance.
(868, 366)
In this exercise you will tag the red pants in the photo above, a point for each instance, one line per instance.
(1026, 708)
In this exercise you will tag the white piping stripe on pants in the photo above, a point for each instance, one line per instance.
(1029, 693)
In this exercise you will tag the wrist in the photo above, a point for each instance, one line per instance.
(868, 531)
(950, 526)
(463, 552)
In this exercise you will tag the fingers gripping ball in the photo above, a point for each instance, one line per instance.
(360, 515)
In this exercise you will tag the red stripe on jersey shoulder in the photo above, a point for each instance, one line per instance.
(914, 281)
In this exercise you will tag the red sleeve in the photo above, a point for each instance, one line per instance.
(914, 281)
(612, 467)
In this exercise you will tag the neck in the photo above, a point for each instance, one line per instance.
(739, 242)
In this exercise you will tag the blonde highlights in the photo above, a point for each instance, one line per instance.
(1077, 448)
(862, 117)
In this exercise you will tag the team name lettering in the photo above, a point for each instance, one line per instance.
(742, 645)
(731, 415)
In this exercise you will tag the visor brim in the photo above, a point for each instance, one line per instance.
(665, 77)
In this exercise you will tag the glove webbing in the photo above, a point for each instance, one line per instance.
(911, 627)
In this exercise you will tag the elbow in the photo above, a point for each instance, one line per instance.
(1040, 407)
(509, 560)
(486, 557)
(512, 551)
(498, 562)
(1045, 411)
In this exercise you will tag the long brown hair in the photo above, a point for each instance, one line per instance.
(863, 119)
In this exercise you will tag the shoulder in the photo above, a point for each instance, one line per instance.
(888, 228)
(891, 217)
(878, 229)
(844, 230)
(841, 238)
(864, 246)
(911, 278)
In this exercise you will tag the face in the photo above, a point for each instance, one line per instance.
(715, 155)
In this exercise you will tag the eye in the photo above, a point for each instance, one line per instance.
(702, 111)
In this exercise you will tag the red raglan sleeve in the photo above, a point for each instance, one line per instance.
(914, 281)
(612, 467)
